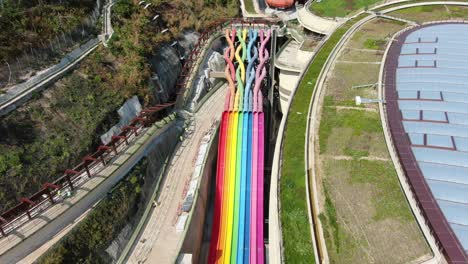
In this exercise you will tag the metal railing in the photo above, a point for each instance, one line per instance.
(192, 61)
(52, 193)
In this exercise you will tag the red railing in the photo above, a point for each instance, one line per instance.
(191, 61)
(73, 178)
(92, 164)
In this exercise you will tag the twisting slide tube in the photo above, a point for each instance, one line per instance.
(229, 57)
(237, 234)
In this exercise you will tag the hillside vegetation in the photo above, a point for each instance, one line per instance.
(54, 130)
(33, 23)
(87, 242)
(339, 8)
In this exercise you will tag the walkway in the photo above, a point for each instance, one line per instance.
(292, 58)
(21, 93)
(108, 30)
(315, 23)
(36, 254)
(44, 226)
(290, 61)
(159, 240)
(410, 22)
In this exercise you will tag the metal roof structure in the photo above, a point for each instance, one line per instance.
(280, 3)
(427, 93)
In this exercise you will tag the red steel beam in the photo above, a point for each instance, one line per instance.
(47, 186)
(187, 67)
(120, 137)
(114, 147)
(68, 178)
(2, 221)
(28, 203)
(132, 128)
(138, 119)
(86, 161)
(103, 149)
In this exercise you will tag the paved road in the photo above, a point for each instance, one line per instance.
(159, 241)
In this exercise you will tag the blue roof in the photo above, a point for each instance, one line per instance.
(432, 86)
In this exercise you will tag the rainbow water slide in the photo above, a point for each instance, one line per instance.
(237, 233)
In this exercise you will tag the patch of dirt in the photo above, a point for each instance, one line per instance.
(363, 239)
(384, 241)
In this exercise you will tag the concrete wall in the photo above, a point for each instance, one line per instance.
(160, 149)
(193, 241)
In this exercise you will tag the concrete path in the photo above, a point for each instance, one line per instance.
(159, 240)
(108, 30)
(42, 228)
(291, 62)
(21, 93)
(291, 58)
(315, 23)
(410, 22)
(359, 62)
(339, 107)
(36, 254)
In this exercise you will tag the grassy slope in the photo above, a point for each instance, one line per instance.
(381, 204)
(294, 218)
(339, 8)
(421, 14)
(293, 204)
(352, 222)
(53, 132)
(249, 6)
(30, 25)
(87, 242)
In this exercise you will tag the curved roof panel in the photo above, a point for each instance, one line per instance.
(280, 3)
(431, 83)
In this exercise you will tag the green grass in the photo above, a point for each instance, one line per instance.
(405, 3)
(383, 207)
(355, 153)
(397, 4)
(88, 240)
(330, 219)
(339, 8)
(367, 188)
(360, 122)
(458, 11)
(297, 241)
(375, 44)
(390, 201)
(249, 6)
(422, 14)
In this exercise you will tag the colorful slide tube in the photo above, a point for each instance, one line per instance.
(237, 232)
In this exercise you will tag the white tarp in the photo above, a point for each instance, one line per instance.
(127, 112)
